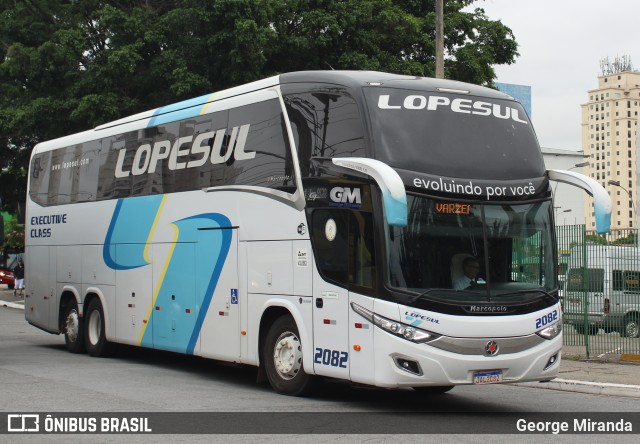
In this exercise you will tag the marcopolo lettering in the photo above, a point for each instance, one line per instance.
(459, 105)
(146, 157)
(488, 309)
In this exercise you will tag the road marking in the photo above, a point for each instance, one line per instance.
(12, 305)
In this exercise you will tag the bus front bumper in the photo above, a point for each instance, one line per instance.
(401, 363)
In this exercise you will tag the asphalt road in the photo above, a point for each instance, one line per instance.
(37, 374)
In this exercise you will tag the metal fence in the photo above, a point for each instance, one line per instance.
(600, 290)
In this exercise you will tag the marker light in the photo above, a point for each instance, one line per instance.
(399, 329)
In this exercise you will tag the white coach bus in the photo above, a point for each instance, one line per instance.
(313, 224)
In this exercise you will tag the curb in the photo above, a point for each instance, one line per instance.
(12, 305)
(592, 388)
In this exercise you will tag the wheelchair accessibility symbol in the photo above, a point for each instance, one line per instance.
(234, 295)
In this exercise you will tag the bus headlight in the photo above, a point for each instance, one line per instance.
(399, 329)
(550, 331)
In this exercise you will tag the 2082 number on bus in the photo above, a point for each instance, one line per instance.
(334, 358)
(547, 319)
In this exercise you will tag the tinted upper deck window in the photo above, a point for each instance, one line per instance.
(453, 135)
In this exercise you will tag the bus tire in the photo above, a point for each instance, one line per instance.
(282, 358)
(94, 326)
(631, 327)
(73, 328)
(433, 390)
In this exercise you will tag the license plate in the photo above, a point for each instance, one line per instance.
(490, 377)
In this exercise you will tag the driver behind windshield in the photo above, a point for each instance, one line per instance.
(470, 268)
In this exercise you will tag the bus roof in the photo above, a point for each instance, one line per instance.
(193, 107)
(357, 79)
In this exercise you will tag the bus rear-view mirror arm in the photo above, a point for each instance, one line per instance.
(394, 196)
(601, 200)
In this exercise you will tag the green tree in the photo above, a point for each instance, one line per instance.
(68, 66)
(13, 235)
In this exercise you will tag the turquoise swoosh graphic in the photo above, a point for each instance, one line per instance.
(131, 224)
(170, 327)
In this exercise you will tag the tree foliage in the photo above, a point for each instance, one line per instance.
(66, 66)
(13, 235)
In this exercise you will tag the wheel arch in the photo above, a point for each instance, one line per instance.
(632, 314)
(272, 311)
(95, 293)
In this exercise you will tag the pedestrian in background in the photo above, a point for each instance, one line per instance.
(18, 274)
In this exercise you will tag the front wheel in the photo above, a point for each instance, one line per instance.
(631, 327)
(73, 329)
(282, 358)
(97, 344)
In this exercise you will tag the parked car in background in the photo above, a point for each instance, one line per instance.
(6, 277)
(8, 260)
(606, 293)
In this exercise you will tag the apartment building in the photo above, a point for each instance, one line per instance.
(609, 142)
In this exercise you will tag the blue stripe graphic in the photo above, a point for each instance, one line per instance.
(178, 111)
(130, 224)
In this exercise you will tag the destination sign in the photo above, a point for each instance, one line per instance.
(453, 208)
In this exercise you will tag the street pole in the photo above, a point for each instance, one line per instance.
(440, 39)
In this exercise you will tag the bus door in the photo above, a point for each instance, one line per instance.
(330, 239)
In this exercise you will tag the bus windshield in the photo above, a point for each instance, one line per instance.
(473, 252)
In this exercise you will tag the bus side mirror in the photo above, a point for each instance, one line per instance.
(601, 200)
(394, 196)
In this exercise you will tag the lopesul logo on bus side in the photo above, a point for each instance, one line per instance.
(147, 156)
(459, 105)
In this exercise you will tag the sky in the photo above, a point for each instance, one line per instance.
(561, 44)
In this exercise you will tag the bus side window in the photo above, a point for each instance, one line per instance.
(267, 159)
(363, 266)
(343, 246)
(330, 244)
(325, 122)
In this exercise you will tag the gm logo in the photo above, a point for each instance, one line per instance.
(345, 197)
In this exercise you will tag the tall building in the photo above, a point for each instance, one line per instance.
(609, 126)
(522, 93)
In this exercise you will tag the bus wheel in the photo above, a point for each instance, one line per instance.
(433, 390)
(631, 328)
(282, 358)
(73, 329)
(97, 344)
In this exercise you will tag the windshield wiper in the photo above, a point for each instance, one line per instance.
(530, 290)
(448, 290)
